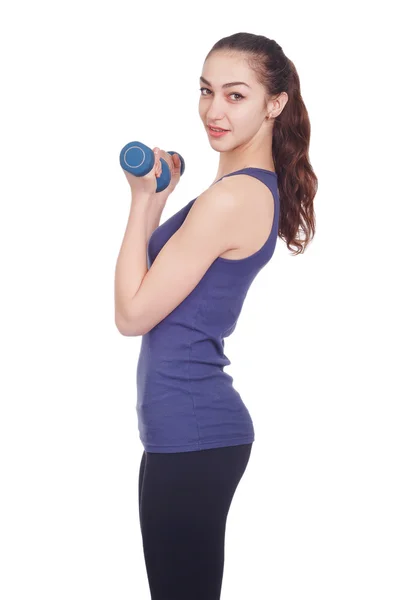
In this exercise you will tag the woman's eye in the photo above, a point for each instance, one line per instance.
(237, 94)
(233, 93)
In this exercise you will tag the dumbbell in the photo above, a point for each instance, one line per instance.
(138, 159)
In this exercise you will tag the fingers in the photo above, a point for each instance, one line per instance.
(172, 161)
(157, 157)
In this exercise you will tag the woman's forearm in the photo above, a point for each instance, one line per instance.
(154, 217)
(131, 265)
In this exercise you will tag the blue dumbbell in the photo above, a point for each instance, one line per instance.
(138, 159)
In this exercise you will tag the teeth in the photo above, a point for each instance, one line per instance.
(213, 129)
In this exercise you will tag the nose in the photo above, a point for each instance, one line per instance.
(215, 111)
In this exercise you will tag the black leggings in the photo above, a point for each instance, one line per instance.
(184, 499)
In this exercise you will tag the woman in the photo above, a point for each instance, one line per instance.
(181, 286)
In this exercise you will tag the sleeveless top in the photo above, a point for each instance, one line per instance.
(185, 400)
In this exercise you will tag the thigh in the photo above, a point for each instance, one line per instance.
(185, 499)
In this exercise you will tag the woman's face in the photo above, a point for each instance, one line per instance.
(239, 108)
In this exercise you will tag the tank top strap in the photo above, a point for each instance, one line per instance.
(264, 175)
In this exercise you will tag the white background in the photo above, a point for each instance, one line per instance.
(314, 355)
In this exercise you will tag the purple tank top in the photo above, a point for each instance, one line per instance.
(185, 400)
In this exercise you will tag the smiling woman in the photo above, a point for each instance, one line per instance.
(195, 428)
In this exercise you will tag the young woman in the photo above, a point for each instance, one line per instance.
(181, 286)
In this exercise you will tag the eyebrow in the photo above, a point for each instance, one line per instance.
(226, 85)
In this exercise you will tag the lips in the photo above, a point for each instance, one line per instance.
(218, 128)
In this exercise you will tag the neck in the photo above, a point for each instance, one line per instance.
(256, 153)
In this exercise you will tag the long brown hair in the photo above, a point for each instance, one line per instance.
(297, 182)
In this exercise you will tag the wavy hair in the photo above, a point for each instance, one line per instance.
(297, 182)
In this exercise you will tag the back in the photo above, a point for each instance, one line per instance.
(185, 399)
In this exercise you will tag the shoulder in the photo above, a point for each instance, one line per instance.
(253, 200)
(233, 206)
(248, 207)
(232, 196)
(243, 184)
(215, 209)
